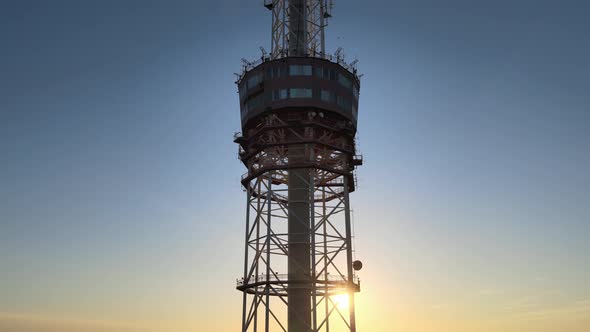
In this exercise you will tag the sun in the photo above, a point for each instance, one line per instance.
(341, 301)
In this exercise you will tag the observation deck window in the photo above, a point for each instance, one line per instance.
(300, 93)
(244, 111)
(291, 93)
(344, 81)
(280, 94)
(333, 75)
(319, 72)
(255, 102)
(327, 96)
(325, 73)
(243, 90)
(274, 72)
(254, 81)
(344, 103)
(300, 70)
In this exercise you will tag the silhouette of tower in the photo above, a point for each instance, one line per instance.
(299, 118)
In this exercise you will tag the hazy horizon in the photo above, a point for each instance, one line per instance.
(120, 200)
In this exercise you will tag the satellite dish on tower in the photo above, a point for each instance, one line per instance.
(357, 265)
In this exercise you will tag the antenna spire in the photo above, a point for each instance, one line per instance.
(298, 27)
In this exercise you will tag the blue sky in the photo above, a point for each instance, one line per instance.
(119, 182)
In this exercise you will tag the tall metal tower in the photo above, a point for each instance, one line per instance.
(299, 118)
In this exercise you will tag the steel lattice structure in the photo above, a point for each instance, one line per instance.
(299, 115)
(284, 31)
(264, 288)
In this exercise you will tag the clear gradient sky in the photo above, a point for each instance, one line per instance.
(120, 202)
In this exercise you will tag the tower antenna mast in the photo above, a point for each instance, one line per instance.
(298, 27)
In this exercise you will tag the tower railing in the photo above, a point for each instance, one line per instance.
(284, 278)
(284, 53)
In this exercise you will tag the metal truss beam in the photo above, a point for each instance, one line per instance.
(298, 27)
(265, 290)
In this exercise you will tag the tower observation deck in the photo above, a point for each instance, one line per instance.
(299, 111)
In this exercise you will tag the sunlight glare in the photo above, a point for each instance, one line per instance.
(341, 301)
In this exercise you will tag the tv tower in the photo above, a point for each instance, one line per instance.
(299, 109)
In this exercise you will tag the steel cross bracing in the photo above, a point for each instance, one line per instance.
(316, 16)
(265, 285)
(272, 138)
